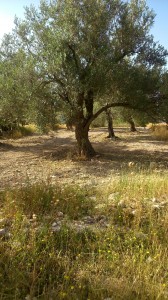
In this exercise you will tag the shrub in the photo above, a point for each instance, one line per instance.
(159, 131)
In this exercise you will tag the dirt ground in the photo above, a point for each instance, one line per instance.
(50, 157)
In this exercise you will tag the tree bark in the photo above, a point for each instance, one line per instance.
(82, 124)
(109, 116)
(85, 148)
(132, 125)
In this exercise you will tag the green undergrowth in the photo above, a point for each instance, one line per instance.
(126, 259)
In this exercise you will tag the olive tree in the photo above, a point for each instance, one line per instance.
(81, 50)
(16, 83)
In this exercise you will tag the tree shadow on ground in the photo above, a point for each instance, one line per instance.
(47, 147)
(113, 156)
(139, 149)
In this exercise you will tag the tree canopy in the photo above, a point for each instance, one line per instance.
(82, 52)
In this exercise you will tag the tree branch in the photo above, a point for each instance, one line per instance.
(74, 56)
(104, 108)
(65, 98)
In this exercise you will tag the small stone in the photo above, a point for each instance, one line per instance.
(89, 220)
(56, 223)
(56, 228)
(60, 214)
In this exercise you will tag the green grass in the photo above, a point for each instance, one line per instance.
(127, 259)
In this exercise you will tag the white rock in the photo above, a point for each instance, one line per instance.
(56, 228)
(56, 223)
(60, 214)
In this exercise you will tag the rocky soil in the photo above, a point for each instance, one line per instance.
(51, 157)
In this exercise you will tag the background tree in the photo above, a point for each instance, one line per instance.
(24, 97)
(162, 106)
(15, 85)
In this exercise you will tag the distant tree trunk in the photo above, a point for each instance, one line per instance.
(132, 125)
(109, 117)
(70, 120)
(69, 125)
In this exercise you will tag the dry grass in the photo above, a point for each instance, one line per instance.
(21, 131)
(159, 131)
(125, 257)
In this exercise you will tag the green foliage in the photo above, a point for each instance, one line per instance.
(75, 54)
(162, 108)
(15, 86)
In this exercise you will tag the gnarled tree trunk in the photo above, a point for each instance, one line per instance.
(84, 146)
(82, 124)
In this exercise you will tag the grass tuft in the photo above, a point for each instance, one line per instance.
(159, 131)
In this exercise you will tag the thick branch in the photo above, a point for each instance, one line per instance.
(65, 98)
(74, 56)
(89, 104)
(104, 108)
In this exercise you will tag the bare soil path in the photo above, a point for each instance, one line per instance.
(50, 157)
